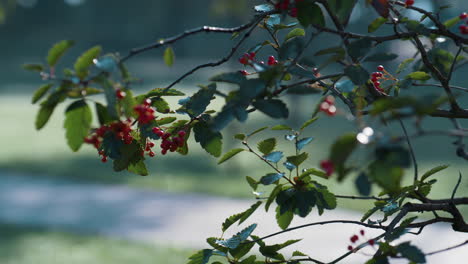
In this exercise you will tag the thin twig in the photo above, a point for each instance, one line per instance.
(413, 155)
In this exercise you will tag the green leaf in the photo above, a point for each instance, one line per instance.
(240, 237)
(297, 32)
(272, 107)
(229, 77)
(312, 171)
(272, 196)
(109, 93)
(433, 171)
(57, 51)
(78, 118)
(129, 154)
(85, 61)
(411, 252)
(138, 168)
(281, 127)
(201, 257)
(241, 217)
(299, 254)
(128, 103)
(169, 56)
(230, 154)
(342, 148)
(249, 260)
(271, 251)
(309, 122)
(241, 250)
(386, 176)
(418, 75)
(162, 92)
(374, 25)
(326, 198)
(210, 140)
(291, 49)
(331, 50)
(357, 74)
(200, 100)
(161, 105)
(309, 13)
(369, 213)
(359, 48)
(298, 159)
(240, 136)
(253, 183)
(33, 67)
(257, 131)
(378, 57)
(40, 92)
(43, 115)
(452, 22)
(267, 146)
(404, 64)
(283, 220)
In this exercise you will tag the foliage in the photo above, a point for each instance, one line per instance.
(130, 124)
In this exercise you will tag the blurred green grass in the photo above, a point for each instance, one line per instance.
(28, 245)
(45, 154)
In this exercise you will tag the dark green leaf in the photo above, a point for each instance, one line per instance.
(342, 9)
(169, 56)
(241, 217)
(43, 115)
(363, 184)
(210, 140)
(267, 146)
(378, 57)
(230, 154)
(229, 77)
(291, 49)
(111, 99)
(359, 48)
(240, 237)
(85, 61)
(249, 260)
(40, 92)
(298, 159)
(404, 64)
(309, 13)
(241, 250)
(411, 252)
(357, 74)
(200, 100)
(103, 116)
(129, 154)
(240, 136)
(78, 119)
(386, 176)
(272, 107)
(161, 105)
(312, 171)
(253, 183)
(272, 196)
(128, 103)
(57, 51)
(138, 168)
(374, 25)
(163, 92)
(331, 50)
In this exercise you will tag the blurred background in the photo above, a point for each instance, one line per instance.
(56, 205)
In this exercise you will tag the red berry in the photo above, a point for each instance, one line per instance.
(331, 110)
(315, 70)
(150, 144)
(164, 151)
(380, 68)
(463, 15)
(327, 166)
(409, 2)
(330, 99)
(156, 130)
(350, 248)
(104, 159)
(324, 106)
(244, 72)
(377, 84)
(371, 242)
(181, 133)
(120, 94)
(374, 79)
(243, 60)
(271, 60)
(463, 29)
(251, 55)
(361, 232)
(354, 238)
(147, 102)
(151, 154)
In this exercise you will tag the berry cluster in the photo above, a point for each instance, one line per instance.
(148, 147)
(120, 94)
(328, 106)
(327, 166)
(464, 28)
(379, 76)
(409, 2)
(122, 131)
(355, 238)
(285, 5)
(249, 58)
(145, 112)
(168, 143)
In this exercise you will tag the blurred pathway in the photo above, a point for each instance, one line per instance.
(180, 220)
